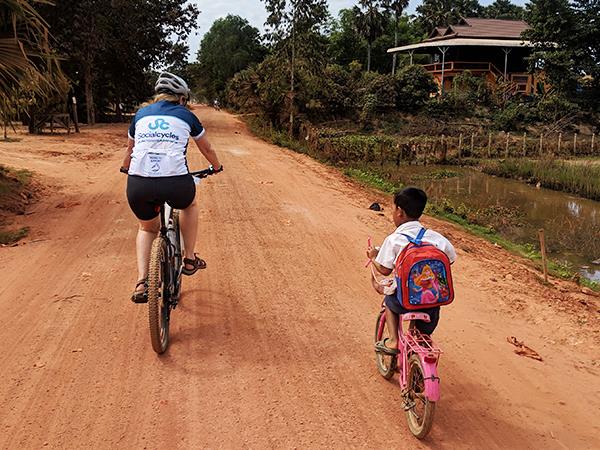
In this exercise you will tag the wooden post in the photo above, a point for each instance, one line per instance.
(460, 139)
(472, 143)
(575, 144)
(593, 136)
(541, 144)
(525, 144)
(543, 251)
(559, 141)
(490, 145)
(506, 149)
(75, 118)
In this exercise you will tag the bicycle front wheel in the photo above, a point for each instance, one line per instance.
(419, 410)
(386, 364)
(158, 305)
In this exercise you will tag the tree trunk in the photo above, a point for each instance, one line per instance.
(118, 110)
(394, 58)
(89, 95)
(292, 75)
(368, 57)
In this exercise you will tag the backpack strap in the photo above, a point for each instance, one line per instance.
(417, 240)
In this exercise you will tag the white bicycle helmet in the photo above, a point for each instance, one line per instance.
(168, 83)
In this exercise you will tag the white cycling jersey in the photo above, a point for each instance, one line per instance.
(161, 132)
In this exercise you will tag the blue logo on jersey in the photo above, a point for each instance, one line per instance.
(159, 123)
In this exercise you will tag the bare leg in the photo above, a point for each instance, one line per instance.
(143, 243)
(189, 229)
(391, 322)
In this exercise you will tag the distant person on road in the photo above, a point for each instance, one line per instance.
(216, 104)
(408, 207)
(156, 163)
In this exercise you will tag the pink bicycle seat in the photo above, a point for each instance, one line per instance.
(416, 316)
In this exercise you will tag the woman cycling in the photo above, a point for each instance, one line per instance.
(156, 163)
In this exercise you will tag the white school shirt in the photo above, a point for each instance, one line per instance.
(395, 243)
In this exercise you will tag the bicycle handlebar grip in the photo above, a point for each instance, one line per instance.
(213, 170)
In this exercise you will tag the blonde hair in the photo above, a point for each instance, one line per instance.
(173, 98)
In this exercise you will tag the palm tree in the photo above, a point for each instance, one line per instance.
(395, 7)
(26, 59)
(370, 24)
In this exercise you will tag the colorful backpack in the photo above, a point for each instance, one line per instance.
(423, 276)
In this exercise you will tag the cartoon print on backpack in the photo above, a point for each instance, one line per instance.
(428, 283)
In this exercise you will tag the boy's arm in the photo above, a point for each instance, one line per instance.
(372, 254)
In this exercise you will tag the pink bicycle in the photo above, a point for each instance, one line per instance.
(416, 362)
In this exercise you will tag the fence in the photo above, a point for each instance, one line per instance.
(340, 146)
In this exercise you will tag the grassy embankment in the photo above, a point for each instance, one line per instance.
(579, 179)
(14, 186)
(474, 221)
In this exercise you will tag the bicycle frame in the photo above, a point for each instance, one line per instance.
(412, 341)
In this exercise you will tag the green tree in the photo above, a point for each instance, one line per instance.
(30, 75)
(113, 43)
(503, 9)
(295, 31)
(370, 23)
(439, 13)
(344, 43)
(555, 32)
(230, 46)
(395, 7)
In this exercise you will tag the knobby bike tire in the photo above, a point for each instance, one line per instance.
(158, 313)
(419, 422)
(386, 364)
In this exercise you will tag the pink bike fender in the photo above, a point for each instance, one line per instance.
(432, 382)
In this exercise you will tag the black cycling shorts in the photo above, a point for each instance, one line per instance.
(146, 194)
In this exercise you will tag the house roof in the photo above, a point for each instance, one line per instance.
(474, 32)
(482, 28)
(456, 42)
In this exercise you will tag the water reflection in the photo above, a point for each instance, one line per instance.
(572, 224)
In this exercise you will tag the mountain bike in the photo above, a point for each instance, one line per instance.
(416, 362)
(164, 272)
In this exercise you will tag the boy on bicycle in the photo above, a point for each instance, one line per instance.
(408, 207)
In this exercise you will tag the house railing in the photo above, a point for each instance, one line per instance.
(519, 82)
(459, 66)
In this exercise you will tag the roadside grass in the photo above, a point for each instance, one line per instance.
(579, 179)
(443, 210)
(13, 184)
(10, 237)
(12, 180)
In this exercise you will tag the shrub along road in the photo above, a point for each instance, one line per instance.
(272, 344)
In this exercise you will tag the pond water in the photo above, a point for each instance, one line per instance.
(518, 210)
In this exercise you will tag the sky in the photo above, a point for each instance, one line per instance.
(254, 12)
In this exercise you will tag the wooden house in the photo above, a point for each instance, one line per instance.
(489, 48)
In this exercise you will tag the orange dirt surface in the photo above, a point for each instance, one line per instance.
(272, 345)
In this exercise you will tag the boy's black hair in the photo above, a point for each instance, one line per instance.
(412, 201)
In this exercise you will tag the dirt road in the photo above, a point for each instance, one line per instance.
(272, 345)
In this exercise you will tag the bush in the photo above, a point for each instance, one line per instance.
(414, 86)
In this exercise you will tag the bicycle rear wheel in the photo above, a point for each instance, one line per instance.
(386, 364)
(419, 410)
(174, 236)
(158, 305)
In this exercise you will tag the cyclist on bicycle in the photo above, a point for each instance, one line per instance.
(158, 172)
